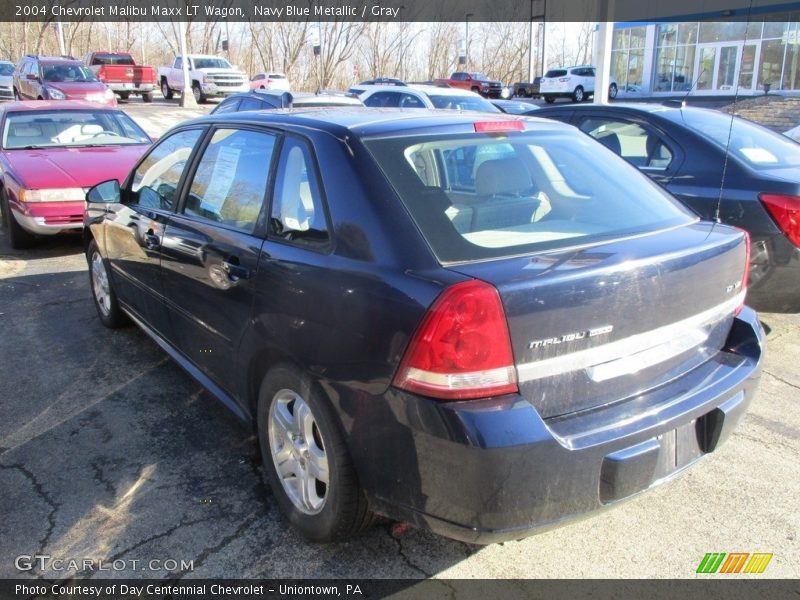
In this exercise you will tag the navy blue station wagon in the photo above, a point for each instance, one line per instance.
(478, 324)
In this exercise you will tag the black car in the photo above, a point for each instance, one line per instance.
(478, 324)
(721, 167)
(269, 100)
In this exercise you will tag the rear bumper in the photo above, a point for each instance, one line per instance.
(494, 470)
(50, 218)
(134, 88)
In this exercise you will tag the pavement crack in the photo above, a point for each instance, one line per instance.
(782, 380)
(183, 523)
(406, 559)
(54, 506)
(203, 556)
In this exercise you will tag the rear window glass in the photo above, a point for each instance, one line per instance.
(112, 59)
(760, 148)
(480, 196)
(556, 73)
(462, 103)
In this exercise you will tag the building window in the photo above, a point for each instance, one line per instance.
(627, 58)
(674, 66)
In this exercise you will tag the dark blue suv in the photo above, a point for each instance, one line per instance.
(478, 324)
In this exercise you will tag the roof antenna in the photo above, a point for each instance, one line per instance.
(682, 102)
(730, 129)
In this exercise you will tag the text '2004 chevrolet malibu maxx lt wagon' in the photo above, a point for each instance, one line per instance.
(479, 325)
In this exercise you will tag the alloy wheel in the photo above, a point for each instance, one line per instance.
(100, 287)
(298, 452)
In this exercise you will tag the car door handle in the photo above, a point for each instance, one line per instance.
(235, 272)
(151, 240)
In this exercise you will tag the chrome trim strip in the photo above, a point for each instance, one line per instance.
(621, 351)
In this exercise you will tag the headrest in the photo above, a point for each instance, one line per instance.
(611, 141)
(502, 176)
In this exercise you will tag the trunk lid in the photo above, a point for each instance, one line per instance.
(595, 325)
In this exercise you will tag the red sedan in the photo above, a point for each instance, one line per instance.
(50, 154)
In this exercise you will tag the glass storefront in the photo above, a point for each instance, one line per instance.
(710, 57)
(627, 58)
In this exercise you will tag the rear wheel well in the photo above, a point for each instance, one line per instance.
(257, 369)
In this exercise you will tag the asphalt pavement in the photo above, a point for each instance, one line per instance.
(108, 450)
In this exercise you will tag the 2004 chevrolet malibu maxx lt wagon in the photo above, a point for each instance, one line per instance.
(479, 325)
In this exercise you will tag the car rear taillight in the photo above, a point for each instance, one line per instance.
(462, 349)
(785, 210)
(564, 79)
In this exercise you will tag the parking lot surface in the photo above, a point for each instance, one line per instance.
(108, 450)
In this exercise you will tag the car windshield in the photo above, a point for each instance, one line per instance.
(66, 73)
(211, 63)
(6, 69)
(757, 146)
(69, 128)
(481, 196)
(113, 59)
(466, 102)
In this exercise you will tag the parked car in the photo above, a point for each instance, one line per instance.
(479, 325)
(527, 90)
(270, 81)
(119, 71)
(356, 90)
(514, 107)
(474, 82)
(6, 80)
(210, 76)
(425, 96)
(58, 78)
(50, 154)
(269, 100)
(571, 82)
(753, 182)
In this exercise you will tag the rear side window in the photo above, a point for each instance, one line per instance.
(476, 196)
(297, 213)
(156, 179)
(382, 100)
(230, 182)
(251, 104)
(633, 142)
(556, 73)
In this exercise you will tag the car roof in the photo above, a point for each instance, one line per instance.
(441, 90)
(365, 122)
(648, 107)
(57, 59)
(46, 105)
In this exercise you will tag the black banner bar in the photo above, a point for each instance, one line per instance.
(706, 588)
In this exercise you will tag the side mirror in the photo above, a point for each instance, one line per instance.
(106, 192)
(32, 77)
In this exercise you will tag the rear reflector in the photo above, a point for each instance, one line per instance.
(462, 349)
(497, 126)
(785, 210)
(746, 270)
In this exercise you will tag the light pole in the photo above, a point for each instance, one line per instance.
(466, 43)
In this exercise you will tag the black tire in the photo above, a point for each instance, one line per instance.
(105, 301)
(612, 91)
(147, 97)
(344, 510)
(549, 99)
(124, 95)
(19, 238)
(17, 97)
(199, 96)
(578, 95)
(166, 91)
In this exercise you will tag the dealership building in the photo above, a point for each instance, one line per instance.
(714, 58)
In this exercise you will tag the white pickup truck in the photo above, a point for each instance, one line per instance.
(210, 76)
